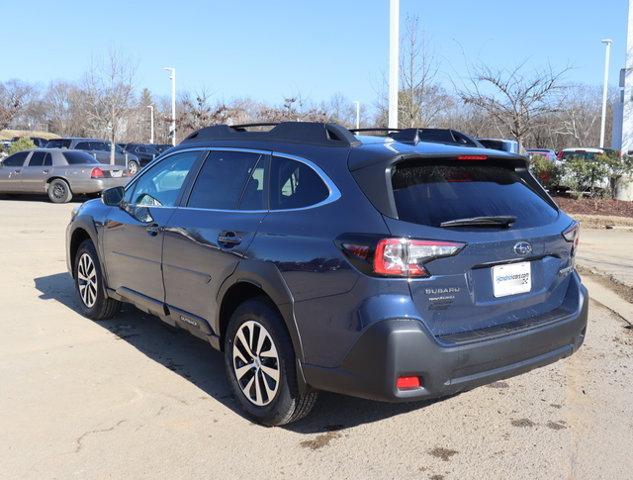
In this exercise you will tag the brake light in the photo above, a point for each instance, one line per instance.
(472, 157)
(403, 257)
(407, 383)
(572, 235)
(97, 173)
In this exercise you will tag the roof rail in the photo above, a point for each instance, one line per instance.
(417, 135)
(316, 133)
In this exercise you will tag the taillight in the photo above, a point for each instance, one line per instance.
(403, 257)
(97, 173)
(472, 157)
(572, 235)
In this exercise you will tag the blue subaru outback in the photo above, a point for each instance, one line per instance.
(385, 267)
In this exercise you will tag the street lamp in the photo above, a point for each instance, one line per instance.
(394, 60)
(172, 77)
(605, 88)
(357, 114)
(151, 123)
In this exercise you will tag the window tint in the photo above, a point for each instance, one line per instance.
(16, 160)
(160, 185)
(48, 160)
(83, 146)
(430, 194)
(294, 185)
(224, 177)
(37, 159)
(58, 143)
(79, 158)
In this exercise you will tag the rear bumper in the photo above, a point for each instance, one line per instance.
(95, 185)
(403, 347)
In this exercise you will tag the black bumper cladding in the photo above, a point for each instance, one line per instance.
(403, 347)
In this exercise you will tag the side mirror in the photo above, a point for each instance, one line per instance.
(113, 196)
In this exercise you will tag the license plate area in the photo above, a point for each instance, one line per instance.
(511, 279)
(117, 173)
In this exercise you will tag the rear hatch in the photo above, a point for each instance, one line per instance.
(514, 266)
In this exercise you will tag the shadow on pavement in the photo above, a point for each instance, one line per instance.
(41, 198)
(203, 366)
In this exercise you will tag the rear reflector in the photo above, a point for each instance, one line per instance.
(472, 157)
(406, 383)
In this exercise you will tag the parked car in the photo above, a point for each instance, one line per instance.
(446, 136)
(318, 260)
(588, 154)
(510, 146)
(99, 149)
(37, 141)
(144, 152)
(58, 173)
(162, 147)
(542, 152)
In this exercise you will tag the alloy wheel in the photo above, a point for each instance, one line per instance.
(59, 191)
(87, 280)
(256, 363)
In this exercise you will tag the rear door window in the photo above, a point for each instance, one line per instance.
(37, 159)
(225, 178)
(429, 193)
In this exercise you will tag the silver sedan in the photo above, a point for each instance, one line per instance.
(60, 173)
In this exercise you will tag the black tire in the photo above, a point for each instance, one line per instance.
(59, 191)
(288, 404)
(133, 167)
(103, 307)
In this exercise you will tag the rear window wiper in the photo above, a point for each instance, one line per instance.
(491, 221)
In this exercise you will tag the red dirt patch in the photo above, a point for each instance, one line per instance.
(595, 206)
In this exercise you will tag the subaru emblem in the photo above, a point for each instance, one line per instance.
(522, 248)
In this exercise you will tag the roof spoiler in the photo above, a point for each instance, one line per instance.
(316, 133)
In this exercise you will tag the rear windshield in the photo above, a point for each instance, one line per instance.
(79, 158)
(579, 154)
(429, 194)
(58, 143)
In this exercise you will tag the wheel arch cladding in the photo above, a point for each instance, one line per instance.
(253, 278)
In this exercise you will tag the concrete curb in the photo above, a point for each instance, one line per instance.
(609, 299)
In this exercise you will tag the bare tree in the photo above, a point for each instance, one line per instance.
(516, 100)
(108, 91)
(579, 119)
(14, 96)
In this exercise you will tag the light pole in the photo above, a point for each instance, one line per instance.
(394, 60)
(605, 88)
(357, 114)
(151, 123)
(172, 76)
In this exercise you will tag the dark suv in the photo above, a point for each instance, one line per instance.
(393, 270)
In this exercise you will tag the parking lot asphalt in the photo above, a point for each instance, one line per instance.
(130, 398)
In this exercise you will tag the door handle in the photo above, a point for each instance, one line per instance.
(45, 171)
(153, 229)
(229, 239)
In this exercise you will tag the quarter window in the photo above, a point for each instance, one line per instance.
(295, 185)
(160, 185)
(227, 177)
